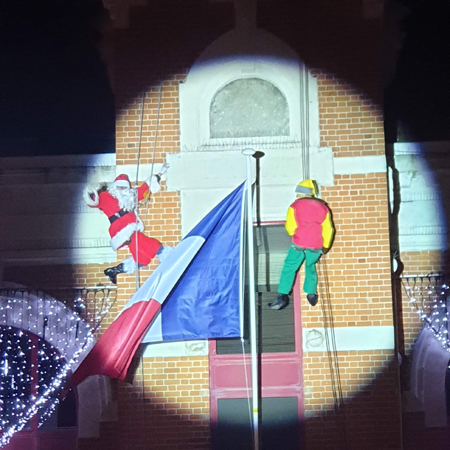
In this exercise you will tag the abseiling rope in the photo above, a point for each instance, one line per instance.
(304, 121)
(332, 353)
(138, 165)
(137, 284)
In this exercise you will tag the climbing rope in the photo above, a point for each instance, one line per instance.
(304, 122)
(242, 293)
(147, 200)
(332, 353)
(136, 202)
(247, 384)
(157, 126)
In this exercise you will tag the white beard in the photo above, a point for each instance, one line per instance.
(126, 197)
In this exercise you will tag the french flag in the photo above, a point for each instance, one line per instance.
(195, 293)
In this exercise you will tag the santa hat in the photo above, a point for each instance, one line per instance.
(122, 181)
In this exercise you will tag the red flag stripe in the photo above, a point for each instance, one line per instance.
(113, 353)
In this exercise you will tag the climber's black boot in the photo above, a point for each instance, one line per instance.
(312, 299)
(280, 302)
(112, 272)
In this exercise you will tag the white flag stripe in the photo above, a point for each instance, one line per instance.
(154, 333)
(157, 286)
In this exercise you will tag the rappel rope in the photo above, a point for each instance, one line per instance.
(136, 196)
(327, 310)
(137, 170)
(247, 384)
(157, 127)
(332, 353)
(304, 122)
(246, 375)
(136, 187)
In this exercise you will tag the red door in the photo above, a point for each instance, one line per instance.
(282, 406)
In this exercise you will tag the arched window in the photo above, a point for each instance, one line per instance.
(249, 107)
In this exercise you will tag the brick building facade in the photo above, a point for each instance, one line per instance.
(337, 48)
(322, 58)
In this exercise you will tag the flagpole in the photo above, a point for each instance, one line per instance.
(251, 287)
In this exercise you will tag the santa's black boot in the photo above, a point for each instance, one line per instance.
(112, 272)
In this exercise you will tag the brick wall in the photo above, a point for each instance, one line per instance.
(169, 408)
(422, 263)
(350, 121)
(167, 128)
(340, 49)
(368, 382)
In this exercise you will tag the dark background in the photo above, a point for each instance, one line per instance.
(417, 101)
(56, 99)
(54, 91)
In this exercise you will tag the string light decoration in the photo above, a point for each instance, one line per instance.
(41, 343)
(90, 303)
(429, 298)
(45, 402)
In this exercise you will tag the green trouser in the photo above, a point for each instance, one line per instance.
(294, 260)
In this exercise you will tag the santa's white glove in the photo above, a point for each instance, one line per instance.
(164, 168)
(90, 195)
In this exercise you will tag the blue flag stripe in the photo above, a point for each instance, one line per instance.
(205, 302)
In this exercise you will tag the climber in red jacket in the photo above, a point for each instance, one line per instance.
(310, 224)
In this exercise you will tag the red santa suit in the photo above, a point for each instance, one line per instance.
(125, 227)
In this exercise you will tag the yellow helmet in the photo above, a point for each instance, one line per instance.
(307, 187)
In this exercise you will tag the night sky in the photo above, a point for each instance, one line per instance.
(55, 96)
(419, 96)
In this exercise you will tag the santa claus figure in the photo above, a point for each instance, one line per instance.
(118, 200)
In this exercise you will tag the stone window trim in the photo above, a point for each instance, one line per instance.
(265, 57)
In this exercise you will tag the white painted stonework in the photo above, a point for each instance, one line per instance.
(355, 165)
(204, 179)
(177, 349)
(421, 217)
(46, 219)
(349, 339)
(96, 404)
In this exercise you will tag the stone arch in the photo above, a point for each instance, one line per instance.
(240, 54)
